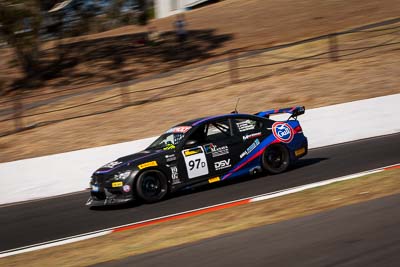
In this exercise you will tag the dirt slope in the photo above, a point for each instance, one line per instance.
(254, 23)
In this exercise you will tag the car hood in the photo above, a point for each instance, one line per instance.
(133, 159)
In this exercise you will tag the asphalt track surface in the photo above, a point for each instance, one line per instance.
(50, 219)
(365, 234)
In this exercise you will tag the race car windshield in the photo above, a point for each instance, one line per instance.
(167, 141)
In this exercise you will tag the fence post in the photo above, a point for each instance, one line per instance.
(333, 47)
(233, 66)
(125, 99)
(17, 106)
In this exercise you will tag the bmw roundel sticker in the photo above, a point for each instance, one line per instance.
(283, 132)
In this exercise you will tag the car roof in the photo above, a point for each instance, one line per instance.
(198, 121)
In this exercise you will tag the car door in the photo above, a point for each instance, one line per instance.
(251, 131)
(210, 151)
(222, 146)
(192, 160)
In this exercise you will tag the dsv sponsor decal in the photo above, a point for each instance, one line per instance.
(283, 132)
(223, 164)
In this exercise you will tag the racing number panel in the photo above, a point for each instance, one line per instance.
(195, 162)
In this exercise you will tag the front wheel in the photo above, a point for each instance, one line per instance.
(151, 186)
(276, 159)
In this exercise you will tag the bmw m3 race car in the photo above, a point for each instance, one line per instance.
(202, 151)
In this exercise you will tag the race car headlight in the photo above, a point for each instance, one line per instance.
(122, 175)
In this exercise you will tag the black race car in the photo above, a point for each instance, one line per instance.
(202, 151)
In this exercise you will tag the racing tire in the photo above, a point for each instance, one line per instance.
(276, 159)
(151, 186)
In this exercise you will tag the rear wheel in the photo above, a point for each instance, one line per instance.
(276, 159)
(152, 186)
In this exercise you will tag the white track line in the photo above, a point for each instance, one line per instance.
(261, 197)
(313, 185)
(53, 243)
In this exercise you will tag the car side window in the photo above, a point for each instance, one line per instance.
(197, 137)
(218, 130)
(244, 125)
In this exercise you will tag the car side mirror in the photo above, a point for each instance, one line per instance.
(191, 143)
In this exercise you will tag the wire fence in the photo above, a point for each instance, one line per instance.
(236, 66)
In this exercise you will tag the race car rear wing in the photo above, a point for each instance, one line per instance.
(294, 111)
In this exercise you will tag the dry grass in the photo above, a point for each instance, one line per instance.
(150, 238)
(313, 82)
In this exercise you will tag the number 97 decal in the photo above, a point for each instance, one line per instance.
(196, 163)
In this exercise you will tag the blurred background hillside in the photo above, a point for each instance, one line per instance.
(66, 65)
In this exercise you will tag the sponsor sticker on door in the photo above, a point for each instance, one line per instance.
(192, 151)
(215, 150)
(250, 148)
(223, 164)
(251, 136)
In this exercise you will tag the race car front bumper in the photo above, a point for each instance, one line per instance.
(107, 198)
